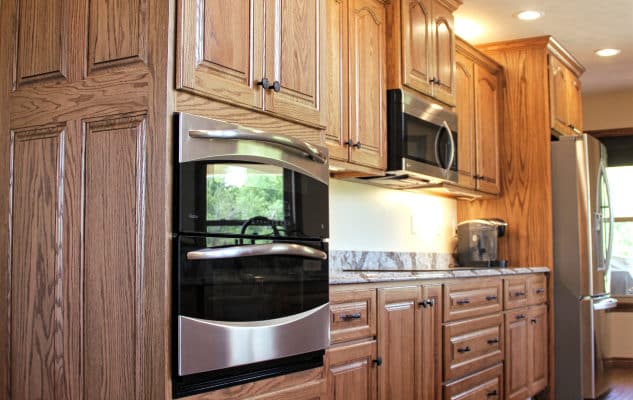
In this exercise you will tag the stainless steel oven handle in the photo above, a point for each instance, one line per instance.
(251, 250)
(281, 140)
(450, 137)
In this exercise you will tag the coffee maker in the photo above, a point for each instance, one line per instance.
(477, 242)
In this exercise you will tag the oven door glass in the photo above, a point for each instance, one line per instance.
(251, 199)
(430, 143)
(224, 279)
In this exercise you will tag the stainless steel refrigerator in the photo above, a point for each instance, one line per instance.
(583, 241)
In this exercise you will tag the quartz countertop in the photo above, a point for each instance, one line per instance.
(367, 276)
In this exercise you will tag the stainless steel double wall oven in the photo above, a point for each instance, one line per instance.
(251, 256)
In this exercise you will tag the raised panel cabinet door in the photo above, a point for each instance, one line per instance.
(558, 92)
(351, 372)
(367, 69)
(574, 102)
(444, 57)
(397, 314)
(465, 108)
(295, 33)
(336, 87)
(537, 349)
(220, 50)
(487, 108)
(429, 337)
(516, 355)
(417, 44)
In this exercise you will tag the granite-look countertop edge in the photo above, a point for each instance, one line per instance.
(352, 277)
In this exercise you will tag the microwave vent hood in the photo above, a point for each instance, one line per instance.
(413, 183)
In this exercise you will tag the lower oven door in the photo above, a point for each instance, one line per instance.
(241, 304)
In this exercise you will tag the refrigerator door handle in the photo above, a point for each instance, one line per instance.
(607, 261)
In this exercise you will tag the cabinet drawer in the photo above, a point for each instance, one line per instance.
(537, 289)
(352, 315)
(482, 385)
(471, 298)
(472, 345)
(515, 293)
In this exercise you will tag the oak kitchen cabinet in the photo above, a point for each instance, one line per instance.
(479, 104)
(275, 65)
(421, 45)
(356, 70)
(565, 98)
(526, 326)
(409, 342)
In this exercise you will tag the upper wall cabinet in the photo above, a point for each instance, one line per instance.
(479, 107)
(565, 97)
(421, 43)
(262, 54)
(356, 68)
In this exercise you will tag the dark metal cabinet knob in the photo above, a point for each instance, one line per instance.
(427, 303)
(533, 322)
(378, 361)
(265, 83)
(520, 316)
(276, 86)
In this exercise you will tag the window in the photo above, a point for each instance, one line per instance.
(621, 276)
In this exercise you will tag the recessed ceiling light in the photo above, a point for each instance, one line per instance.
(528, 15)
(607, 52)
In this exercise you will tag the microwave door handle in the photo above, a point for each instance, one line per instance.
(252, 250)
(450, 137)
(437, 147)
(280, 140)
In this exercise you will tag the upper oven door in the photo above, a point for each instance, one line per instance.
(232, 181)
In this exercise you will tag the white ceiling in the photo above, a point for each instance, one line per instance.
(581, 26)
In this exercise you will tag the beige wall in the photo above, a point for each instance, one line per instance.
(364, 217)
(619, 343)
(608, 110)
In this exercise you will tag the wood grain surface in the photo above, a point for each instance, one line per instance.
(102, 227)
(352, 372)
(42, 41)
(113, 257)
(36, 271)
(118, 33)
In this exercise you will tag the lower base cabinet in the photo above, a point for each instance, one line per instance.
(351, 372)
(308, 391)
(526, 363)
(484, 385)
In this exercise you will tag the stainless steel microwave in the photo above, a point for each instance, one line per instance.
(421, 139)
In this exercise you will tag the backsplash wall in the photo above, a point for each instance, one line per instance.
(369, 218)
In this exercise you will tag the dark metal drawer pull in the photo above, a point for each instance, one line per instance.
(463, 349)
(533, 322)
(520, 316)
(491, 298)
(493, 341)
(493, 393)
(540, 291)
(462, 302)
(519, 294)
(378, 361)
(349, 317)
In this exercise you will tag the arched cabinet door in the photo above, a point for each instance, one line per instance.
(444, 60)
(487, 107)
(417, 57)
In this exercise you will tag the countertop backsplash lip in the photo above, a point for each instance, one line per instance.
(358, 260)
(361, 276)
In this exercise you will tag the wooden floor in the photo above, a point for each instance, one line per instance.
(621, 381)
